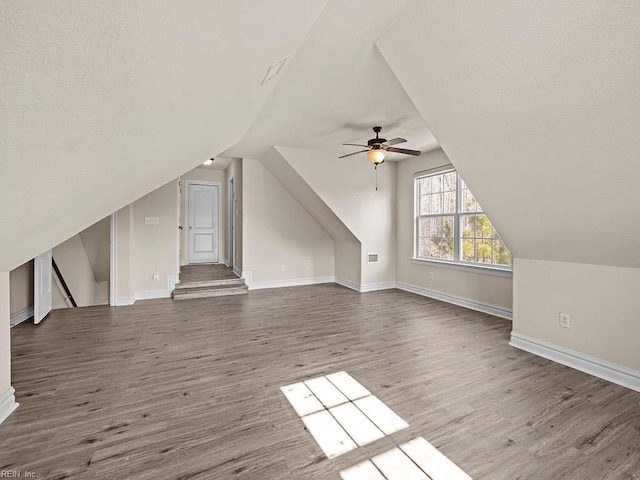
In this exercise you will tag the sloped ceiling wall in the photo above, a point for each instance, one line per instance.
(537, 104)
(101, 102)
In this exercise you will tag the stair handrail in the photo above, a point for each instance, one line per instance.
(64, 284)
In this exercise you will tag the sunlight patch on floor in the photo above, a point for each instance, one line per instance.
(341, 415)
(414, 460)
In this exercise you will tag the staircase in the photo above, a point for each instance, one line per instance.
(206, 281)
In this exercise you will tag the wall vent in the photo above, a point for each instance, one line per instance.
(373, 257)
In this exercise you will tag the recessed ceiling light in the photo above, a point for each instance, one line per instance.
(273, 70)
(208, 162)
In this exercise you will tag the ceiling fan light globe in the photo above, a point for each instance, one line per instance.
(376, 156)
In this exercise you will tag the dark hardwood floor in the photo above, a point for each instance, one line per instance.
(190, 390)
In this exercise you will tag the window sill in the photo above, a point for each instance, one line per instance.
(479, 269)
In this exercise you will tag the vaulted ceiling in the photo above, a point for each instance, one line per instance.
(536, 103)
(102, 102)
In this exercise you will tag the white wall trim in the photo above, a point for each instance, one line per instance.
(172, 281)
(7, 403)
(238, 272)
(489, 308)
(125, 301)
(24, 314)
(151, 295)
(374, 287)
(113, 259)
(347, 283)
(612, 372)
(294, 282)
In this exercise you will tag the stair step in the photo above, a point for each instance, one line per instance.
(210, 283)
(208, 291)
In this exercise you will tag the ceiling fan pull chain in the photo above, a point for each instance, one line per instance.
(375, 167)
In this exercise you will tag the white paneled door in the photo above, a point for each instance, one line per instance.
(42, 286)
(203, 222)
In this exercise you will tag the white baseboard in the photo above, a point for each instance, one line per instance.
(374, 287)
(172, 281)
(7, 403)
(612, 372)
(367, 287)
(294, 282)
(22, 315)
(124, 301)
(491, 309)
(238, 272)
(347, 283)
(151, 295)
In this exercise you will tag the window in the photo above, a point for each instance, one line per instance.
(451, 226)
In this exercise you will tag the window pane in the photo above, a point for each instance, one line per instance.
(425, 186)
(450, 181)
(446, 248)
(436, 203)
(483, 251)
(436, 183)
(423, 227)
(448, 227)
(434, 248)
(425, 204)
(469, 202)
(501, 255)
(435, 227)
(468, 226)
(484, 229)
(468, 250)
(423, 247)
(450, 202)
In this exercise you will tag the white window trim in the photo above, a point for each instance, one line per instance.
(486, 269)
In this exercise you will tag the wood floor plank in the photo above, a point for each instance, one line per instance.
(168, 390)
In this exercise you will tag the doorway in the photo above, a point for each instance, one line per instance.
(203, 221)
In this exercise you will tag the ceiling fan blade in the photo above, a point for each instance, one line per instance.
(403, 150)
(355, 145)
(354, 153)
(395, 141)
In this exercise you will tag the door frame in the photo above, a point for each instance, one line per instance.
(218, 236)
(231, 223)
(113, 260)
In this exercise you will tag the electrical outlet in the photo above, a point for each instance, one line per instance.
(156, 276)
(565, 320)
(282, 268)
